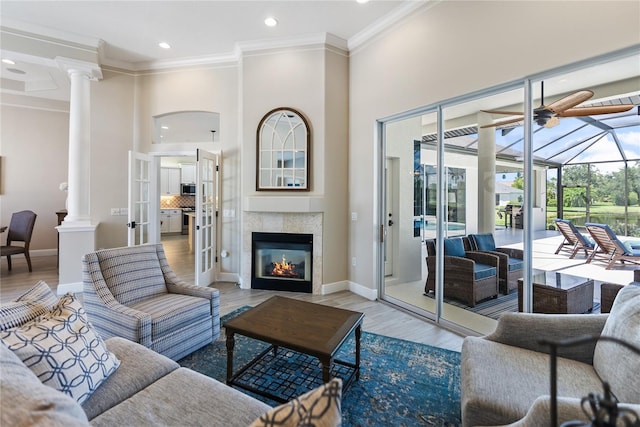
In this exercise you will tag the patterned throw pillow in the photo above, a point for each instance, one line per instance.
(63, 350)
(33, 303)
(318, 408)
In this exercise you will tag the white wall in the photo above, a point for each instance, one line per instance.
(215, 89)
(312, 80)
(454, 48)
(34, 149)
(407, 254)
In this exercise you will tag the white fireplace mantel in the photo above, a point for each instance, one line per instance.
(279, 204)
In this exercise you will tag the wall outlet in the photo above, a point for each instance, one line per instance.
(353, 261)
(354, 216)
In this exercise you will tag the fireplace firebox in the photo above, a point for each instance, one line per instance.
(282, 261)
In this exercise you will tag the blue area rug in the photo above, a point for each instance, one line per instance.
(402, 383)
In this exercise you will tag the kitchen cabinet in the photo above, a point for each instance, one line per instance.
(169, 181)
(188, 173)
(170, 220)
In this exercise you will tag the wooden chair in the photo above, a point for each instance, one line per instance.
(20, 230)
(609, 248)
(510, 267)
(573, 241)
(469, 276)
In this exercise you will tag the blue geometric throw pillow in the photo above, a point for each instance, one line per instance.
(63, 350)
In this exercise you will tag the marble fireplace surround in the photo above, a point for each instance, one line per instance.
(282, 222)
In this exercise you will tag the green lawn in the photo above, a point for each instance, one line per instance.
(604, 213)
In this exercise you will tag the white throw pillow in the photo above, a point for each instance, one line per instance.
(63, 350)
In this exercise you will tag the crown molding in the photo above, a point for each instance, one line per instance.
(387, 21)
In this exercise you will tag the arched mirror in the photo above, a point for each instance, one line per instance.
(283, 141)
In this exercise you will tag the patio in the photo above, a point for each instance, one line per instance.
(546, 242)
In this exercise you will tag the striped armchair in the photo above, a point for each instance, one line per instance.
(131, 292)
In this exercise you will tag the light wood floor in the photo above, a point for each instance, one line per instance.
(380, 318)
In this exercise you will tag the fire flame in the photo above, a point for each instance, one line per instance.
(284, 268)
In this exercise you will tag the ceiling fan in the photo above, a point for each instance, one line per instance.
(549, 115)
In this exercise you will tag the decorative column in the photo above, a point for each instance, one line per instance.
(486, 175)
(77, 233)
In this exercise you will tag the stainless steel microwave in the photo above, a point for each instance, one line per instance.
(188, 189)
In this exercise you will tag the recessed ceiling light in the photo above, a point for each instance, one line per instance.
(164, 127)
(362, 1)
(8, 61)
(164, 45)
(271, 22)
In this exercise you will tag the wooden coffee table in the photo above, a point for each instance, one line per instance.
(555, 292)
(298, 332)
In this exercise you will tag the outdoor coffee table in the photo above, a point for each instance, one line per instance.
(555, 292)
(300, 335)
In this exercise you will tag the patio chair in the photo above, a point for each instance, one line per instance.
(131, 292)
(510, 267)
(469, 276)
(573, 241)
(609, 247)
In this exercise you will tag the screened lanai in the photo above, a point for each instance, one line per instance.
(470, 176)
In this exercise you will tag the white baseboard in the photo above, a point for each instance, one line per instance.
(63, 288)
(43, 252)
(363, 291)
(331, 288)
(228, 277)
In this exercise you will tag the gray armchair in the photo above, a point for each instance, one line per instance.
(505, 375)
(132, 292)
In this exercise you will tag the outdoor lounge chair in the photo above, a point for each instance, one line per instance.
(609, 248)
(573, 241)
(468, 276)
(510, 267)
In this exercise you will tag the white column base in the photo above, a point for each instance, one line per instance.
(76, 240)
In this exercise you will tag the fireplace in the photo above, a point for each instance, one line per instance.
(282, 261)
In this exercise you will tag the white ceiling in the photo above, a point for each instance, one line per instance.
(126, 33)
(131, 30)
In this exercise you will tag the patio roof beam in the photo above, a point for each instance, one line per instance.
(617, 141)
(559, 138)
(600, 136)
(594, 122)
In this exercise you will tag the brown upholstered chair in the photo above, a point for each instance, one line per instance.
(20, 230)
(469, 276)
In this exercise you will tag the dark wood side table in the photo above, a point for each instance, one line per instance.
(307, 329)
(61, 214)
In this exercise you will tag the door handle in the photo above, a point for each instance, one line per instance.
(132, 224)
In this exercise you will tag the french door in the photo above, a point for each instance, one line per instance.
(143, 198)
(206, 251)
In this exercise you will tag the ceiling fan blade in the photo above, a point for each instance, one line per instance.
(552, 122)
(569, 101)
(594, 111)
(511, 113)
(502, 122)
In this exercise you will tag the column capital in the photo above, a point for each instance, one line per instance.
(90, 69)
